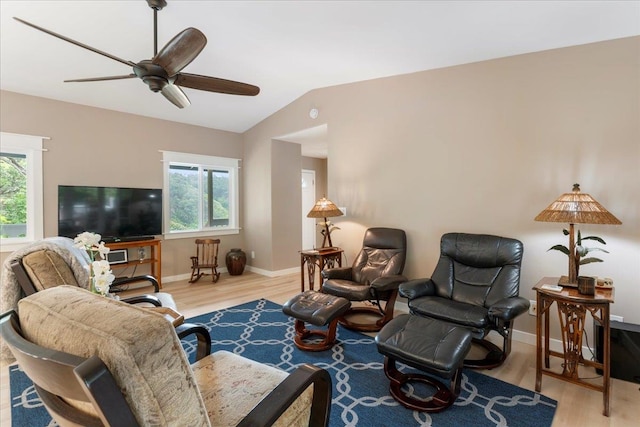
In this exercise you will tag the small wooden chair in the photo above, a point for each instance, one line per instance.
(206, 257)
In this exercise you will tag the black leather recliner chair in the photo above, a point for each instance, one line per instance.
(374, 276)
(475, 284)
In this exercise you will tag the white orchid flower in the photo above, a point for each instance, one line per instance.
(100, 267)
(102, 283)
(103, 250)
(87, 240)
(101, 276)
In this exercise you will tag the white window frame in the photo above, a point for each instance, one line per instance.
(31, 147)
(220, 163)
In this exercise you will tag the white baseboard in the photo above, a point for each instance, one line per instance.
(185, 276)
(278, 273)
(554, 344)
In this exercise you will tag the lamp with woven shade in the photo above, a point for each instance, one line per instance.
(325, 208)
(576, 208)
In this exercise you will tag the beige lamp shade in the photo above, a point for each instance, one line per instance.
(575, 208)
(324, 208)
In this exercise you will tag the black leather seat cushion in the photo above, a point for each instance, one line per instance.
(315, 307)
(347, 289)
(470, 315)
(423, 343)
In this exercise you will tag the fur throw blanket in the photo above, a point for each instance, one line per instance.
(10, 290)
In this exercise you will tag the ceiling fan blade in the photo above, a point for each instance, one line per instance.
(214, 84)
(180, 51)
(99, 79)
(174, 94)
(67, 39)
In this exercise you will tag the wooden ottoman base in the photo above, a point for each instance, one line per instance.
(303, 333)
(318, 309)
(441, 399)
(435, 347)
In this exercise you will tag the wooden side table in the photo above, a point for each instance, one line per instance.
(322, 258)
(572, 310)
(154, 260)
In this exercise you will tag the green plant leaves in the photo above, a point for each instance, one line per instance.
(560, 248)
(589, 260)
(596, 238)
(581, 251)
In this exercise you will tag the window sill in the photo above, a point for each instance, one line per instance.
(7, 247)
(203, 233)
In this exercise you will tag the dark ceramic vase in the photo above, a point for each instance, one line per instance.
(236, 260)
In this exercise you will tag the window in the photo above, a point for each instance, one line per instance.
(20, 190)
(201, 195)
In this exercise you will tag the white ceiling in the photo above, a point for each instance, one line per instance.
(287, 48)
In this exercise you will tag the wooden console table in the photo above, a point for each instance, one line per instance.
(154, 259)
(322, 258)
(572, 309)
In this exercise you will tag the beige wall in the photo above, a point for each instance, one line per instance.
(477, 148)
(256, 168)
(483, 148)
(320, 168)
(286, 196)
(274, 198)
(92, 146)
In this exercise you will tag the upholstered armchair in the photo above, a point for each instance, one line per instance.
(374, 277)
(56, 261)
(475, 284)
(96, 361)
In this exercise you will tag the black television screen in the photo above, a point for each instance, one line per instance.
(113, 212)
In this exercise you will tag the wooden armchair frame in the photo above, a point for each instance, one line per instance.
(58, 375)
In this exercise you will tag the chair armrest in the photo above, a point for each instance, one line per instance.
(170, 314)
(139, 299)
(23, 279)
(343, 273)
(127, 280)
(388, 283)
(275, 403)
(203, 348)
(417, 288)
(509, 308)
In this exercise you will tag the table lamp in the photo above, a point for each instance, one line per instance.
(575, 208)
(325, 208)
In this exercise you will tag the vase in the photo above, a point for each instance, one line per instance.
(586, 285)
(236, 260)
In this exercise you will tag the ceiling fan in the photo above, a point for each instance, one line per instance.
(163, 73)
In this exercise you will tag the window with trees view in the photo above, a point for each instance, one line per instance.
(20, 189)
(202, 194)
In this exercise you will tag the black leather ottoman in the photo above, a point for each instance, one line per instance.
(318, 309)
(430, 345)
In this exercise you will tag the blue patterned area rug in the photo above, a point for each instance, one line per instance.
(260, 331)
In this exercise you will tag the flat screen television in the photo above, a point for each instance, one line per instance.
(115, 213)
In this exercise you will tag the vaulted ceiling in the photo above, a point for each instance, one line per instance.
(287, 48)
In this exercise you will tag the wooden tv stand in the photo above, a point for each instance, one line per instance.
(154, 259)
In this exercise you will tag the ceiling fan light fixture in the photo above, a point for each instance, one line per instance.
(155, 83)
(176, 95)
(157, 4)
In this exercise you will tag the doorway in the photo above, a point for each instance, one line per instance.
(308, 200)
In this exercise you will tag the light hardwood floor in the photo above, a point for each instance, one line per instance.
(577, 406)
